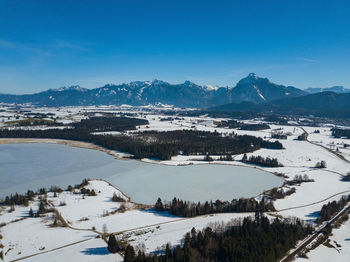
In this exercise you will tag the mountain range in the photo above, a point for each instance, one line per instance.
(251, 88)
(335, 89)
(251, 93)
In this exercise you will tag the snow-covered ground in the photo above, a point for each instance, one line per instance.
(24, 236)
(93, 250)
(34, 235)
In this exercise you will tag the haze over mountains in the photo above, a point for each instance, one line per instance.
(335, 89)
(251, 93)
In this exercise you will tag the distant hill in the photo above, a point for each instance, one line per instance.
(327, 104)
(335, 89)
(250, 89)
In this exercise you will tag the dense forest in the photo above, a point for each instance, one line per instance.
(247, 240)
(151, 144)
(243, 126)
(338, 133)
(109, 124)
(189, 209)
(34, 122)
(276, 119)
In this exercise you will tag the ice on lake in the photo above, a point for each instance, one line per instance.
(32, 166)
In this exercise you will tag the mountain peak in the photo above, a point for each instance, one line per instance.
(259, 90)
(158, 82)
(252, 76)
(189, 83)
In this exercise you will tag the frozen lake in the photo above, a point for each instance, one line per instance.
(31, 166)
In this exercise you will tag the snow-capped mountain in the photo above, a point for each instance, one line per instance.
(188, 94)
(258, 90)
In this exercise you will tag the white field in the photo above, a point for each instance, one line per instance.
(93, 250)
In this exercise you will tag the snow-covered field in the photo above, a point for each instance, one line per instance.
(24, 236)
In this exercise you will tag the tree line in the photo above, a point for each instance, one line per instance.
(178, 207)
(331, 208)
(261, 161)
(243, 126)
(23, 199)
(154, 144)
(339, 133)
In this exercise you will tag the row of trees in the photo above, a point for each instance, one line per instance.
(298, 179)
(243, 126)
(249, 240)
(261, 161)
(23, 199)
(339, 132)
(36, 122)
(331, 208)
(189, 209)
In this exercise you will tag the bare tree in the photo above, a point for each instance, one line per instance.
(104, 229)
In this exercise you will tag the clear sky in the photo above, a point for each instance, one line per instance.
(49, 44)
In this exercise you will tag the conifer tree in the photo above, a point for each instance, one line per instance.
(129, 254)
(112, 244)
(31, 213)
(159, 205)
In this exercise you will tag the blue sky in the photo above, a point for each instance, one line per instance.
(49, 44)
